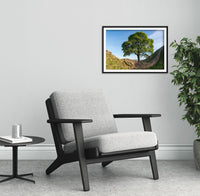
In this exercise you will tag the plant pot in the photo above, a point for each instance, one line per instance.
(196, 150)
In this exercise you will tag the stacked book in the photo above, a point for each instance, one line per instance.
(11, 140)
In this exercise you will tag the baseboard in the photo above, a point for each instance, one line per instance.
(175, 152)
(36, 152)
(47, 152)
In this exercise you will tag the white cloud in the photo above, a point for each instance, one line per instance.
(158, 37)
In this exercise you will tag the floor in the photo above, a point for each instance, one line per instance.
(124, 178)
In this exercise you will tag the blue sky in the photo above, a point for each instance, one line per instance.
(115, 38)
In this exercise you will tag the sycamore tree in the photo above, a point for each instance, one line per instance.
(139, 44)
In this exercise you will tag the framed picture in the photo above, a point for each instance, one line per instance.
(135, 49)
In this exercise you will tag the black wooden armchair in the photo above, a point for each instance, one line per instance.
(81, 135)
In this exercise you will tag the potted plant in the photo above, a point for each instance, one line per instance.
(187, 76)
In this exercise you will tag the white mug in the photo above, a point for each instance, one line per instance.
(16, 131)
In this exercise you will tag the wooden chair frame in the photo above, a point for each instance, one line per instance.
(86, 157)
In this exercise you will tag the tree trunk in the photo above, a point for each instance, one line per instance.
(138, 56)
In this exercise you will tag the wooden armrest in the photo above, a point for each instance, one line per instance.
(135, 115)
(145, 118)
(57, 121)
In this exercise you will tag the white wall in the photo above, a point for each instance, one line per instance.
(57, 44)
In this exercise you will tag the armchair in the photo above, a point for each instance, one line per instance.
(84, 130)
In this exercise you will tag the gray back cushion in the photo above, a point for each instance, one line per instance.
(82, 105)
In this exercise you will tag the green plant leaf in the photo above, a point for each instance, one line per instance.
(186, 74)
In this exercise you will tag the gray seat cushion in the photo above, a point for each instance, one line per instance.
(83, 105)
(117, 142)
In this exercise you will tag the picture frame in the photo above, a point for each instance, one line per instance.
(134, 49)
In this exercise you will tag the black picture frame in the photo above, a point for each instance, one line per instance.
(114, 36)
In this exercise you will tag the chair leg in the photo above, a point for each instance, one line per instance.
(84, 175)
(104, 164)
(57, 163)
(153, 162)
(81, 155)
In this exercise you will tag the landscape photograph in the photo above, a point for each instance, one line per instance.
(135, 49)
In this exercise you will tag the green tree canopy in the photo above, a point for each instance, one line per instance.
(139, 44)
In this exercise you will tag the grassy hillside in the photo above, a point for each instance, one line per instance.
(160, 63)
(112, 62)
(155, 61)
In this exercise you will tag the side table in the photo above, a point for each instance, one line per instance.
(35, 140)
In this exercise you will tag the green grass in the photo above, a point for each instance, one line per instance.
(160, 63)
(112, 62)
